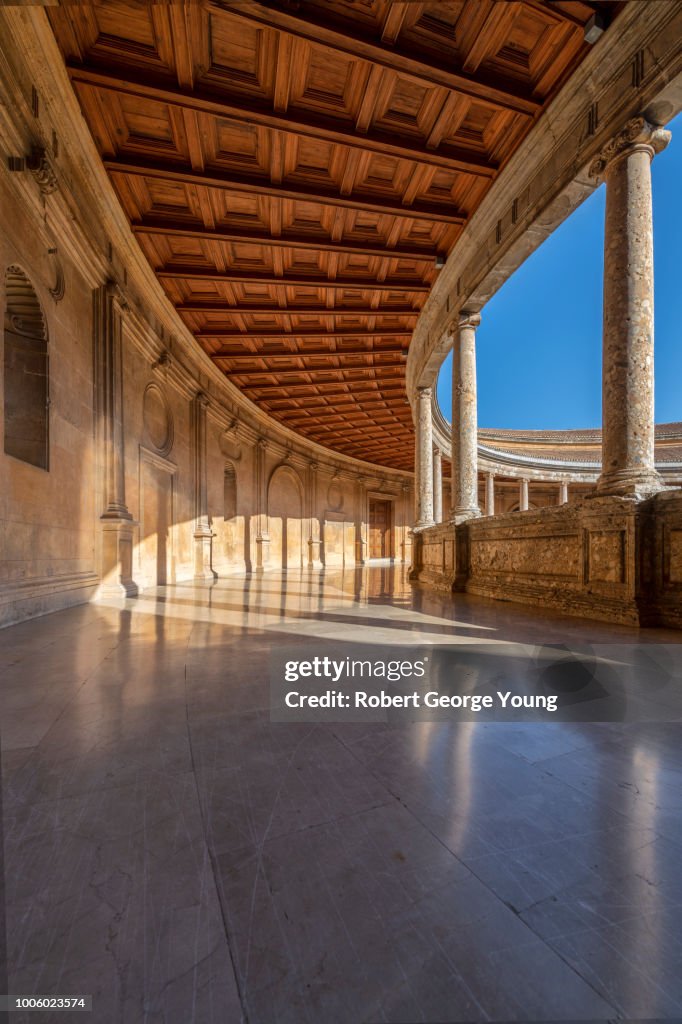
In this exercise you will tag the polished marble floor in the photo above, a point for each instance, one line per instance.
(174, 853)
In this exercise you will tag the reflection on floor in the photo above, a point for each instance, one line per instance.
(173, 853)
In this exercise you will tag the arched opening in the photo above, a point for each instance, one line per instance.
(231, 534)
(285, 518)
(26, 387)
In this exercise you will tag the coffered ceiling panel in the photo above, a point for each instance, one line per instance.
(293, 169)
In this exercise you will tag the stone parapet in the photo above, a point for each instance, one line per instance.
(614, 559)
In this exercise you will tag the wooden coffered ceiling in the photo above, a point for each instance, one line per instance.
(292, 171)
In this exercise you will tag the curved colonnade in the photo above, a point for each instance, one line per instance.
(161, 470)
(615, 555)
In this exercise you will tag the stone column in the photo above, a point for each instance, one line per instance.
(116, 538)
(437, 485)
(203, 535)
(563, 492)
(490, 494)
(523, 495)
(423, 478)
(628, 467)
(464, 419)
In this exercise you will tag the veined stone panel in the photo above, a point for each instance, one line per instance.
(675, 556)
(532, 554)
(606, 551)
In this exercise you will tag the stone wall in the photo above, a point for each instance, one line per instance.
(160, 471)
(272, 502)
(47, 517)
(613, 559)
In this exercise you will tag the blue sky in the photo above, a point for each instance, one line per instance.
(539, 343)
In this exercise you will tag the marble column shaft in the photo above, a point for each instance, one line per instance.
(490, 494)
(424, 459)
(464, 419)
(437, 485)
(628, 466)
(523, 495)
(563, 492)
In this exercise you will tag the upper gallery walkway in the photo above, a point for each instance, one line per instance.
(171, 850)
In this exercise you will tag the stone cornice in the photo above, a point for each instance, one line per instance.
(492, 459)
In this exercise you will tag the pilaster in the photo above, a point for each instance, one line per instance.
(116, 523)
(203, 534)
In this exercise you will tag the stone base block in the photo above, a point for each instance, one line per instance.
(610, 558)
(117, 558)
(26, 599)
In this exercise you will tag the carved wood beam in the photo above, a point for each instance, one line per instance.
(152, 227)
(319, 31)
(354, 384)
(309, 370)
(258, 335)
(301, 125)
(234, 277)
(244, 357)
(354, 311)
(229, 182)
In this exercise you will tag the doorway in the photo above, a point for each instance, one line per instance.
(379, 528)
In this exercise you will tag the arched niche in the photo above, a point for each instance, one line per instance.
(285, 518)
(26, 373)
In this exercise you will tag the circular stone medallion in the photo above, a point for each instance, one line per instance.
(158, 422)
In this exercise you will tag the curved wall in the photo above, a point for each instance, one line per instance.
(198, 491)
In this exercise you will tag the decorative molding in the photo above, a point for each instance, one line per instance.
(153, 393)
(164, 359)
(636, 134)
(57, 292)
(38, 163)
(154, 459)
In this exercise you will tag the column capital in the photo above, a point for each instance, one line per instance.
(425, 391)
(466, 318)
(637, 134)
(201, 399)
(114, 292)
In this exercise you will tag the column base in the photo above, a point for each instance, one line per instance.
(462, 515)
(203, 545)
(628, 484)
(117, 557)
(423, 524)
(262, 552)
(314, 548)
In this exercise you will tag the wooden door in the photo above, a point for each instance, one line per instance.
(379, 528)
